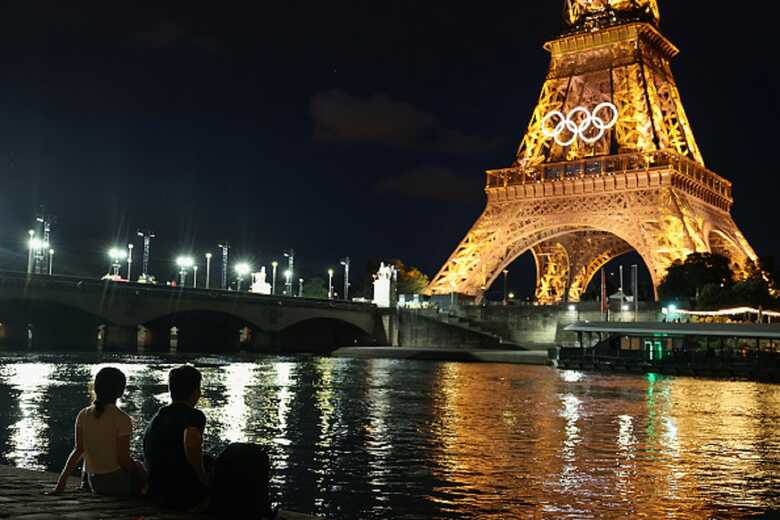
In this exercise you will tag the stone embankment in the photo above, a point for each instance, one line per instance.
(22, 496)
(518, 357)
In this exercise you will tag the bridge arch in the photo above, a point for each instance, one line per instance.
(47, 325)
(323, 335)
(200, 330)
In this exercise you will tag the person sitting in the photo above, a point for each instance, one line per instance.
(103, 434)
(173, 445)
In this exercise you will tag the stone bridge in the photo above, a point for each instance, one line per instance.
(57, 312)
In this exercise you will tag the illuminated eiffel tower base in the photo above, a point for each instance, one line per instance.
(609, 165)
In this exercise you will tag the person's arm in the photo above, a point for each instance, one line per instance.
(75, 456)
(193, 450)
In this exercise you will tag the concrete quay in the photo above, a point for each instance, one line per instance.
(517, 357)
(21, 496)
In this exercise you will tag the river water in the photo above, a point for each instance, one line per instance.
(400, 439)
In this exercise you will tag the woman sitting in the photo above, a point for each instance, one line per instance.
(103, 434)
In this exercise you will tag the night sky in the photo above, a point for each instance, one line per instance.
(336, 128)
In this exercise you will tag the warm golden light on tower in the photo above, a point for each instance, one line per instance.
(608, 165)
(577, 11)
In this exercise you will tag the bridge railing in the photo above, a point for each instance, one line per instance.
(11, 279)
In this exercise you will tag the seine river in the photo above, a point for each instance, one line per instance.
(370, 439)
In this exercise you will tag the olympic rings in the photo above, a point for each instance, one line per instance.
(586, 120)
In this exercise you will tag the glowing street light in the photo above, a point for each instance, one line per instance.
(51, 262)
(184, 263)
(30, 246)
(330, 284)
(274, 265)
(208, 269)
(242, 269)
(290, 267)
(288, 281)
(129, 261)
(300, 287)
(506, 282)
(117, 255)
(195, 276)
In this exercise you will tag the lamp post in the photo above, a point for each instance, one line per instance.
(290, 267)
(225, 247)
(288, 281)
(300, 287)
(195, 276)
(30, 246)
(51, 262)
(330, 284)
(147, 236)
(129, 261)
(506, 284)
(117, 255)
(208, 270)
(274, 265)
(345, 263)
(184, 263)
(242, 269)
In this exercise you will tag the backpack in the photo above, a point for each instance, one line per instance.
(239, 483)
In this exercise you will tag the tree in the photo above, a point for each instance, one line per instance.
(410, 280)
(756, 289)
(315, 288)
(706, 280)
(685, 280)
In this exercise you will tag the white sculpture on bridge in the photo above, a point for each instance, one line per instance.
(385, 286)
(259, 285)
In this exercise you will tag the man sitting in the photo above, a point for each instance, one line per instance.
(173, 444)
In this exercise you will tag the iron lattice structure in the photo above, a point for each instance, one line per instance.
(576, 197)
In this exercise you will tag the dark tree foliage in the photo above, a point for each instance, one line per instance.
(686, 280)
(706, 281)
(315, 288)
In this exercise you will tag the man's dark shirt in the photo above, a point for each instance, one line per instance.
(171, 478)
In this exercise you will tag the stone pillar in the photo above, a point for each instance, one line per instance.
(245, 339)
(173, 342)
(143, 338)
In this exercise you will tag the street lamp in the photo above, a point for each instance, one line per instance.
(51, 262)
(208, 269)
(184, 263)
(242, 269)
(195, 276)
(506, 282)
(330, 284)
(274, 265)
(117, 255)
(345, 263)
(129, 261)
(300, 287)
(30, 246)
(288, 281)
(290, 267)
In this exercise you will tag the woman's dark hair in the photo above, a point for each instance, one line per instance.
(109, 386)
(182, 381)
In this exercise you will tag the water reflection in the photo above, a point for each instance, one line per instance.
(403, 439)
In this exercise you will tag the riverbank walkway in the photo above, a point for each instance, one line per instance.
(21, 496)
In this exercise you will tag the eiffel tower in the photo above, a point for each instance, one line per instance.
(608, 165)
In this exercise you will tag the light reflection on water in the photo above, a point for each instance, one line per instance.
(372, 439)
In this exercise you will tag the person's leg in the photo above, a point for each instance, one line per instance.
(119, 483)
